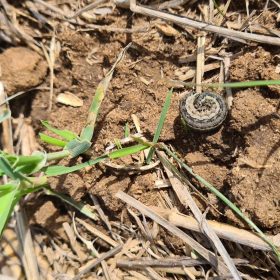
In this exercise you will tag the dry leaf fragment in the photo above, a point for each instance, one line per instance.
(144, 81)
(103, 11)
(166, 29)
(88, 17)
(70, 99)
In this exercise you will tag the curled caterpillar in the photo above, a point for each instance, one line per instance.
(203, 111)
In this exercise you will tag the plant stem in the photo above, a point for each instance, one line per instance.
(58, 155)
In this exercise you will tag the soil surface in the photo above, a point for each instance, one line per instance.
(241, 158)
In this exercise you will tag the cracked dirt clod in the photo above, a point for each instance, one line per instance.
(21, 69)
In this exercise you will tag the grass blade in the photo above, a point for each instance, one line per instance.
(230, 85)
(60, 169)
(126, 130)
(51, 140)
(127, 151)
(8, 170)
(84, 209)
(56, 170)
(7, 202)
(100, 92)
(77, 147)
(160, 123)
(5, 115)
(65, 134)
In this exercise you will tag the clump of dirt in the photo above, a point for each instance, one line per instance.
(46, 214)
(21, 69)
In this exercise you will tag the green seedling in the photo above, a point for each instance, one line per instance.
(27, 174)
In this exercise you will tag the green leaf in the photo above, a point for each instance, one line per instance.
(30, 164)
(52, 140)
(77, 147)
(8, 170)
(7, 203)
(160, 123)
(65, 134)
(100, 92)
(127, 151)
(6, 188)
(231, 85)
(87, 132)
(38, 165)
(83, 208)
(60, 169)
(118, 143)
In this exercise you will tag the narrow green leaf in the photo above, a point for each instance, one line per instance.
(65, 134)
(8, 170)
(160, 123)
(56, 170)
(87, 132)
(7, 202)
(6, 188)
(99, 95)
(30, 164)
(84, 209)
(231, 85)
(52, 140)
(127, 151)
(118, 143)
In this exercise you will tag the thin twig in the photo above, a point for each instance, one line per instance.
(89, 7)
(203, 26)
(95, 27)
(98, 233)
(103, 257)
(224, 231)
(186, 199)
(94, 252)
(209, 256)
(200, 62)
(168, 262)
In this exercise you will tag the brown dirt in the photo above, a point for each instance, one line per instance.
(217, 156)
(241, 158)
(255, 176)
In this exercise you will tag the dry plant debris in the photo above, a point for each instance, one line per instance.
(151, 220)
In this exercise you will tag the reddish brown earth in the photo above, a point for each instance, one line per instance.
(242, 158)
